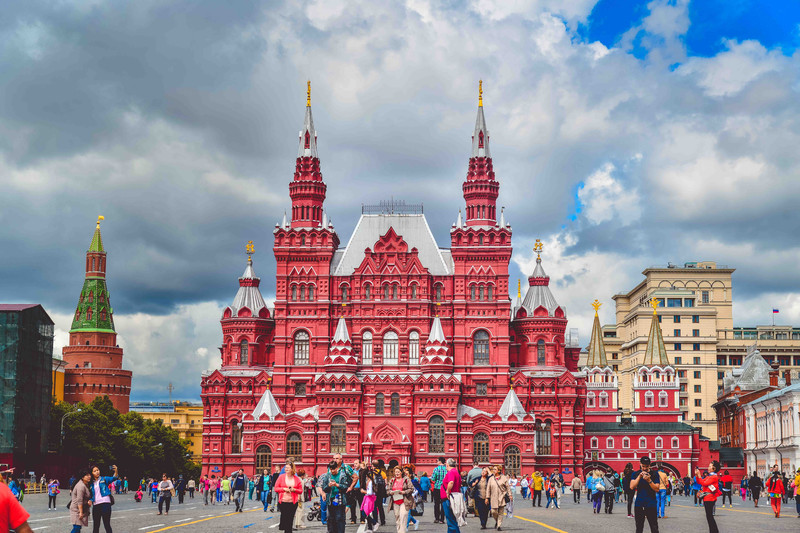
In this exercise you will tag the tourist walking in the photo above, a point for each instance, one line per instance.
(79, 502)
(400, 489)
(576, 485)
(52, 492)
(523, 487)
(755, 484)
(263, 488)
(450, 487)
(273, 482)
(661, 497)
(334, 483)
(597, 488)
(710, 492)
(367, 480)
(180, 488)
(797, 492)
(645, 506)
(380, 491)
(482, 504)
(353, 493)
(165, 488)
(415, 497)
(299, 516)
(726, 486)
(190, 486)
(239, 487)
(225, 486)
(538, 487)
(498, 494)
(611, 490)
(101, 498)
(626, 487)
(775, 491)
(425, 484)
(436, 478)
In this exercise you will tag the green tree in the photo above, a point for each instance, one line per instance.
(100, 436)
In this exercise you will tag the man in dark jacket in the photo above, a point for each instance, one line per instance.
(272, 484)
(180, 488)
(239, 484)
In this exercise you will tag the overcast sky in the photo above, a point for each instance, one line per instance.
(622, 137)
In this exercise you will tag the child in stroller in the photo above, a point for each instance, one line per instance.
(315, 513)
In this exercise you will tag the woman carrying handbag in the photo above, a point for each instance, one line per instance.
(79, 504)
(498, 494)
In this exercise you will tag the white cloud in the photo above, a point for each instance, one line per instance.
(605, 198)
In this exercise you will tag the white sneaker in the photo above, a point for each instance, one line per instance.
(416, 526)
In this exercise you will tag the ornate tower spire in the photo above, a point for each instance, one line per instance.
(480, 188)
(597, 352)
(94, 308)
(307, 190)
(655, 353)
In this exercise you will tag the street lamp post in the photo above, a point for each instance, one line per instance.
(61, 442)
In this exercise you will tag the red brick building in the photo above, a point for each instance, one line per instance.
(392, 347)
(93, 357)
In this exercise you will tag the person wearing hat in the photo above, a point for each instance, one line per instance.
(646, 487)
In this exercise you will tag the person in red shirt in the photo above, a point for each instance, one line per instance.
(450, 485)
(726, 484)
(12, 514)
(775, 490)
(710, 486)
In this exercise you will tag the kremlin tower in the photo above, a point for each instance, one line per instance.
(93, 357)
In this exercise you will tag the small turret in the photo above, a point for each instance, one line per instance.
(340, 356)
(436, 358)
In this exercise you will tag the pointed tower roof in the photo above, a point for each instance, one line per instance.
(539, 294)
(94, 312)
(97, 240)
(502, 218)
(248, 295)
(437, 333)
(341, 335)
(267, 406)
(308, 135)
(511, 407)
(597, 352)
(655, 353)
(480, 138)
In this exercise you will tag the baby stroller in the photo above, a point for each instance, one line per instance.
(315, 513)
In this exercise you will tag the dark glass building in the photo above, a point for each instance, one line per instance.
(26, 354)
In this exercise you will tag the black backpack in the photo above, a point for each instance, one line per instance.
(380, 484)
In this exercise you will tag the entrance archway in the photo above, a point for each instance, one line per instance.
(392, 463)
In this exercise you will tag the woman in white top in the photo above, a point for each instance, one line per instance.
(165, 488)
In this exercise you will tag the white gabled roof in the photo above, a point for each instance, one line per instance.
(413, 229)
(341, 334)
(267, 406)
(471, 411)
(511, 407)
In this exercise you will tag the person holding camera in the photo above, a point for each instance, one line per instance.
(709, 493)
(334, 483)
(646, 503)
(288, 489)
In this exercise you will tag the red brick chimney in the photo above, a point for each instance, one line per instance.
(774, 374)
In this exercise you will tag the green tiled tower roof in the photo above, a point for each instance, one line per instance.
(94, 311)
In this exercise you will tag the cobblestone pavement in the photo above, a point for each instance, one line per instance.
(193, 516)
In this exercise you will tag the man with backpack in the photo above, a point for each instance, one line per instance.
(436, 479)
(610, 490)
(380, 491)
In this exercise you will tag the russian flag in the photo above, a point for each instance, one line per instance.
(775, 311)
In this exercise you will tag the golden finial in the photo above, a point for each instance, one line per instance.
(519, 288)
(308, 94)
(654, 303)
(250, 250)
(99, 218)
(480, 93)
(596, 304)
(269, 382)
(538, 248)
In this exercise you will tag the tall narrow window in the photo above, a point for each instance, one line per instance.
(367, 292)
(604, 399)
(366, 348)
(436, 435)
(301, 348)
(648, 399)
(395, 404)
(480, 348)
(413, 348)
(540, 359)
(344, 293)
(338, 434)
(236, 437)
(394, 291)
(243, 353)
(294, 292)
(390, 348)
(480, 448)
(472, 292)
(544, 438)
(380, 404)
(480, 293)
(386, 292)
(438, 293)
(480, 240)
(512, 459)
(413, 291)
(310, 292)
(294, 447)
(263, 457)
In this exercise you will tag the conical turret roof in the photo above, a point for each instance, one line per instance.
(597, 352)
(341, 335)
(308, 135)
(267, 406)
(655, 353)
(511, 407)
(480, 138)
(538, 294)
(248, 295)
(94, 312)
(97, 240)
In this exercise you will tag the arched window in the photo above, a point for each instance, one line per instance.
(338, 434)
(540, 353)
(594, 443)
(626, 442)
(413, 348)
(480, 240)
(590, 400)
(489, 293)
(236, 437)
(480, 448)
(367, 291)
(480, 348)
(395, 291)
(345, 290)
(512, 460)
(438, 292)
(366, 348)
(648, 399)
(480, 293)
(675, 442)
(604, 399)
(390, 348)
(663, 399)
(91, 296)
(310, 292)
(544, 435)
(380, 404)
(659, 442)
(89, 314)
(301, 342)
(294, 292)
(413, 291)
(243, 352)
(302, 293)
(386, 292)
(395, 404)
(472, 292)
(610, 443)
(294, 447)
(263, 457)
(436, 435)
(642, 442)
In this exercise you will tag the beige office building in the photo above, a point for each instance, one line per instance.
(184, 417)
